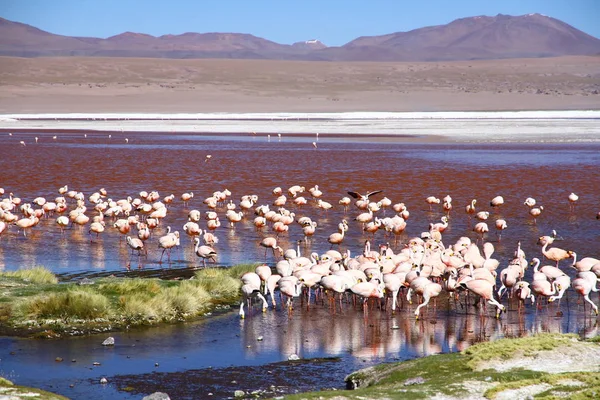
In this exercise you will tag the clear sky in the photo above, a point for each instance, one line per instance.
(334, 22)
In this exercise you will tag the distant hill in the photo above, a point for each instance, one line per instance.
(482, 37)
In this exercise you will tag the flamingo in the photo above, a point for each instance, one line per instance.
(430, 290)
(573, 201)
(315, 191)
(309, 231)
(447, 206)
(584, 283)
(97, 228)
(26, 223)
(482, 215)
(470, 208)
(440, 226)
(263, 272)
(345, 202)
(497, 201)
(523, 292)
(209, 238)
(393, 284)
(535, 212)
(431, 200)
(367, 290)
(290, 287)
(167, 242)
(500, 226)
(63, 223)
(294, 190)
(324, 205)
(481, 228)
(485, 289)
(185, 197)
(337, 237)
(250, 290)
(336, 284)
(204, 251)
(137, 245)
(364, 197)
(556, 254)
(529, 202)
(271, 243)
(234, 217)
(192, 229)
(3, 227)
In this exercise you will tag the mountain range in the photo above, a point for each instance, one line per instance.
(481, 37)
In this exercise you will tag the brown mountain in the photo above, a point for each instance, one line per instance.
(502, 36)
(483, 37)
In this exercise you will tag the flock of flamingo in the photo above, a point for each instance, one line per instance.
(425, 266)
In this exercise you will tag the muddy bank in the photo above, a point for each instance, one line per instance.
(263, 381)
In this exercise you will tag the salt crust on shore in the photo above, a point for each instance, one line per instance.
(522, 126)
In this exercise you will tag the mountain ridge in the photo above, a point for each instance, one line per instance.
(468, 38)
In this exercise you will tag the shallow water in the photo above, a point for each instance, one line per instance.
(404, 168)
(407, 172)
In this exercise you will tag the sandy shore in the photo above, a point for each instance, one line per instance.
(287, 97)
(103, 85)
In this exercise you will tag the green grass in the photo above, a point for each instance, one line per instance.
(21, 392)
(36, 275)
(506, 348)
(587, 386)
(112, 302)
(446, 374)
(76, 303)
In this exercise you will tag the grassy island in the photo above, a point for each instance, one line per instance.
(34, 303)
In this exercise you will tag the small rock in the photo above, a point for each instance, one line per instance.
(73, 360)
(414, 381)
(260, 338)
(71, 385)
(103, 380)
(293, 357)
(58, 359)
(156, 364)
(239, 393)
(157, 396)
(110, 341)
(86, 281)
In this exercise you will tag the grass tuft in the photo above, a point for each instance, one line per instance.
(237, 271)
(130, 285)
(5, 382)
(37, 275)
(135, 307)
(74, 303)
(219, 284)
(185, 299)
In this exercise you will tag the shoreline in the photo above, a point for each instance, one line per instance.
(560, 126)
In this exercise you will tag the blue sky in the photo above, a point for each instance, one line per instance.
(334, 22)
